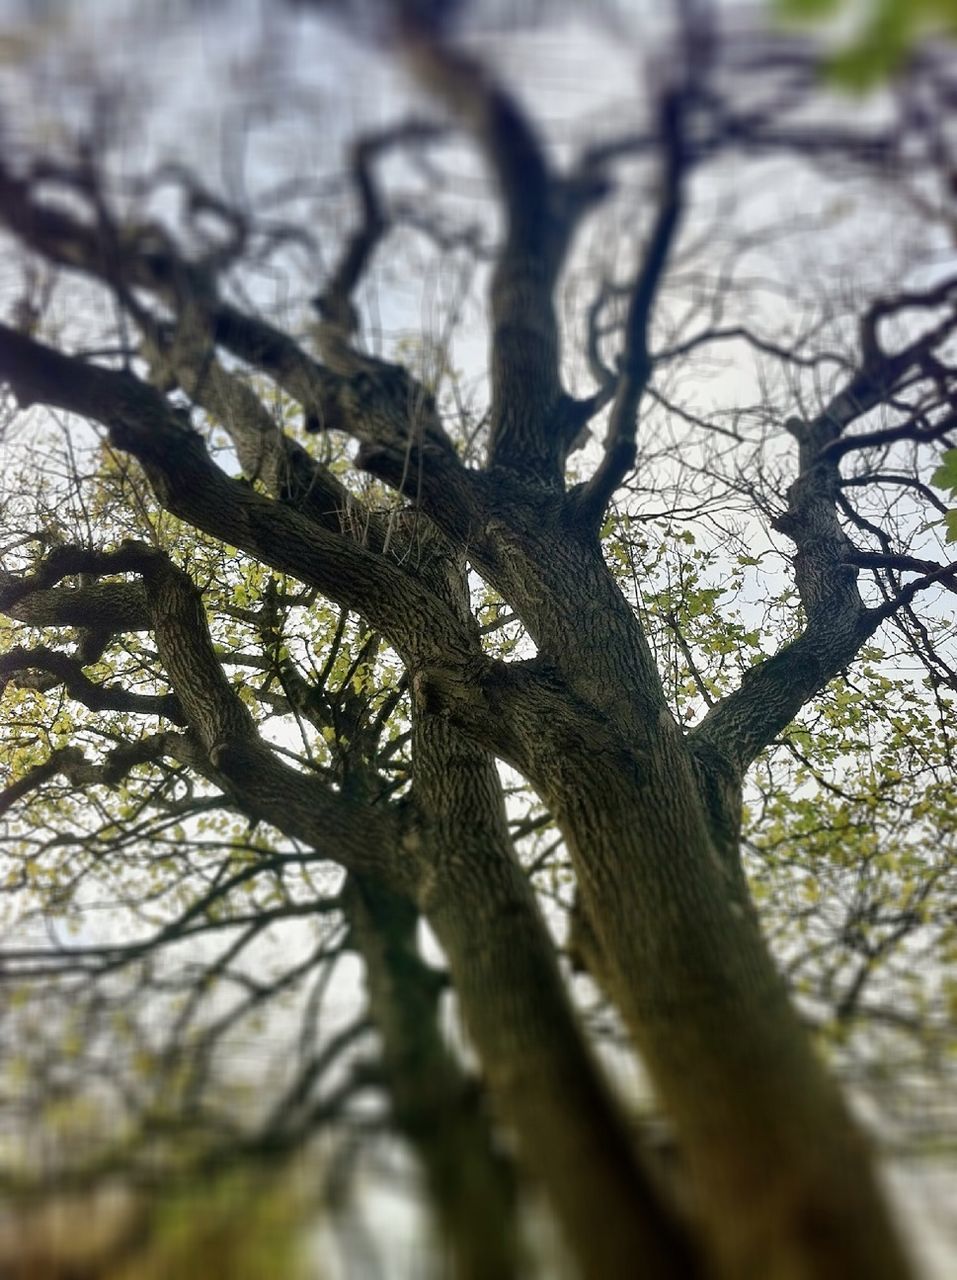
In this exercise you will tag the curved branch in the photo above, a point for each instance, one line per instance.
(944, 575)
(635, 363)
(381, 405)
(334, 301)
(299, 805)
(826, 563)
(930, 570)
(226, 743)
(73, 765)
(68, 671)
(188, 484)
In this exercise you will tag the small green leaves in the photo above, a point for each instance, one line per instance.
(882, 33)
(945, 477)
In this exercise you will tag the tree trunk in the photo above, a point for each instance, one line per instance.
(781, 1176)
(541, 1076)
(434, 1103)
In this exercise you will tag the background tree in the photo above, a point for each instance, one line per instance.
(310, 599)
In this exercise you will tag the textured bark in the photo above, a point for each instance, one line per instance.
(732, 1067)
(540, 1073)
(651, 822)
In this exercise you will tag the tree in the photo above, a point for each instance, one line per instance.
(479, 598)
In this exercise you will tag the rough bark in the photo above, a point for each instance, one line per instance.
(541, 1075)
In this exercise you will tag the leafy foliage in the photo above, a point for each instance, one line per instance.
(885, 32)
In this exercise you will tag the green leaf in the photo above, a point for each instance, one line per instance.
(945, 477)
(882, 33)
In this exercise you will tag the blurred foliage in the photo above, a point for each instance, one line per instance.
(882, 33)
(237, 1222)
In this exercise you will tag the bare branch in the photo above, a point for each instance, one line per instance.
(931, 575)
(334, 301)
(946, 574)
(635, 364)
(826, 562)
(530, 431)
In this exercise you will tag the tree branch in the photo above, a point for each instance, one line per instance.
(635, 363)
(80, 772)
(299, 805)
(381, 405)
(529, 432)
(114, 607)
(334, 301)
(97, 697)
(826, 562)
(929, 570)
(188, 484)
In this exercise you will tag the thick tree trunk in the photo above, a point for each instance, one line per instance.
(541, 1076)
(783, 1180)
(781, 1176)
